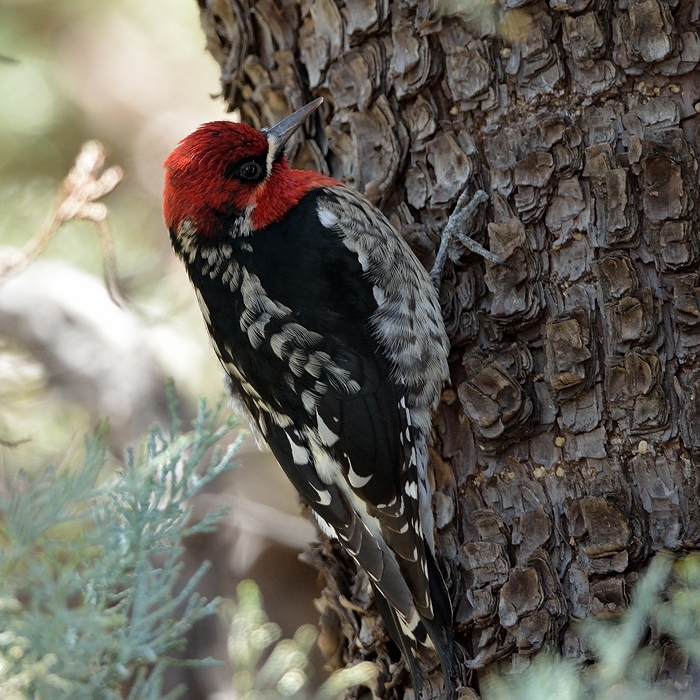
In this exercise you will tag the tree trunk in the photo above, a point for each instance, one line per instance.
(568, 444)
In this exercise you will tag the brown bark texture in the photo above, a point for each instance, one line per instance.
(568, 445)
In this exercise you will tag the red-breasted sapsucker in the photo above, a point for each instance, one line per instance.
(331, 335)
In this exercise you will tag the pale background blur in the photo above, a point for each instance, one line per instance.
(133, 74)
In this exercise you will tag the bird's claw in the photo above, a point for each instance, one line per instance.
(457, 226)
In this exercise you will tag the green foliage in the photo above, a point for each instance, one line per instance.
(679, 615)
(269, 668)
(90, 598)
(667, 598)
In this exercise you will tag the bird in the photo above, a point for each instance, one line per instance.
(331, 336)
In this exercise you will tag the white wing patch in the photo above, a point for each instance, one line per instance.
(357, 481)
(232, 275)
(259, 309)
(327, 436)
(327, 529)
(299, 454)
(213, 259)
(362, 256)
(327, 218)
(310, 400)
(203, 306)
(378, 294)
(324, 497)
(327, 468)
(411, 489)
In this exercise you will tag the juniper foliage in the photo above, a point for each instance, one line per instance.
(627, 649)
(91, 602)
(92, 606)
(267, 667)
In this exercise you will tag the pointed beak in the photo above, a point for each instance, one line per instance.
(278, 135)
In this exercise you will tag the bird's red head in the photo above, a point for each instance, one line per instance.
(226, 169)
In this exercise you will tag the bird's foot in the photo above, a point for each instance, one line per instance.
(459, 225)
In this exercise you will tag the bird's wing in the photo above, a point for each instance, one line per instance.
(297, 332)
(293, 325)
(301, 349)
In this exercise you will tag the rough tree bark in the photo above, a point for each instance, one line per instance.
(568, 445)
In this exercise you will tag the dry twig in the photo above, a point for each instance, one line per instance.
(85, 184)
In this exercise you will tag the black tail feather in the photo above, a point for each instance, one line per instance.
(441, 626)
(439, 629)
(405, 643)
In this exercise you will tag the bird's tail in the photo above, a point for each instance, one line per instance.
(433, 634)
(440, 627)
(407, 644)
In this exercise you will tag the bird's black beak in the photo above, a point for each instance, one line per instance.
(278, 135)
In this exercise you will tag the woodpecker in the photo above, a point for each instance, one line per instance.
(331, 335)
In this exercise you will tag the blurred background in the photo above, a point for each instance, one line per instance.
(134, 75)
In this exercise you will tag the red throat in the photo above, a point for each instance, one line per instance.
(282, 191)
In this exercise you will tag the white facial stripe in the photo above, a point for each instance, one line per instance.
(271, 151)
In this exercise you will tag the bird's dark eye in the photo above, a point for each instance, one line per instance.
(250, 171)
